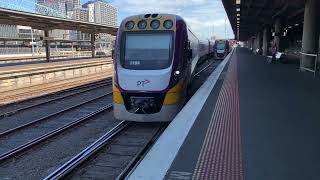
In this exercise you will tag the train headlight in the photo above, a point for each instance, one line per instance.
(168, 24)
(142, 24)
(177, 73)
(155, 24)
(130, 25)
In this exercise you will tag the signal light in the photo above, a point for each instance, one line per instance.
(155, 24)
(130, 25)
(168, 24)
(142, 24)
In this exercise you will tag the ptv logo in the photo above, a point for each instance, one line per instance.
(143, 83)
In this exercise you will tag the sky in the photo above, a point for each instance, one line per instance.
(206, 18)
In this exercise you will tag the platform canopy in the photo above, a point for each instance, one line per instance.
(247, 17)
(42, 22)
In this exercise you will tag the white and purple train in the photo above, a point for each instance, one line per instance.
(221, 49)
(154, 58)
(206, 50)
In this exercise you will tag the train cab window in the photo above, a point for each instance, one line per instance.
(221, 46)
(147, 51)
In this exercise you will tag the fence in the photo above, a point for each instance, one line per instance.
(53, 51)
(16, 50)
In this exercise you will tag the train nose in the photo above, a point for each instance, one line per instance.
(142, 105)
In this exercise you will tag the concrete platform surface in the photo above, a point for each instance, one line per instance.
(265, 125)
(56, 64)
(260, 122)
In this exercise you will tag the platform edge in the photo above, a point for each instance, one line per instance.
(158, 160)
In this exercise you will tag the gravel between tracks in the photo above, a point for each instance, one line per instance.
(41, 111)
(45, 158)
(113, 158)
(32, 132)
(42, 99)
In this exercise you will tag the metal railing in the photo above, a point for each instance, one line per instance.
(314, 70)
(16, 50)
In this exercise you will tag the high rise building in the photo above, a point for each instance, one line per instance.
(8, 31)
(16, 32)
(76, 3)
(55, 8)
(101, 12)
(70, 4)
(54, 4)
(60, 7)
(25, 32)
(80, 14)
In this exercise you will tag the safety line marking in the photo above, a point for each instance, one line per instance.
(221, 157)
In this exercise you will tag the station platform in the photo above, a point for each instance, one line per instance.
(57, 64)
(22, 82)
(260, 121)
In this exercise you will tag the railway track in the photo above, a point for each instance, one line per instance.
(36, 161)
(203, 69)
(111, 156)
(98, 156)
(28, 115)
(13, 108)
(41, 129)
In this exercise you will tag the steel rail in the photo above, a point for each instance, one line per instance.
(139, 156)
(51, 134)
(202, 69)
(56, 99)
(50, 116)
(73, 163)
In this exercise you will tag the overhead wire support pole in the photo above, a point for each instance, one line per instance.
(93, 46)
(225, 28)
(32, 42)
(47, 44)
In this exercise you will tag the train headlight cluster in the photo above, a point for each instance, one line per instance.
(168, 24)
(130, 25)
(155, 24)
(142, 24)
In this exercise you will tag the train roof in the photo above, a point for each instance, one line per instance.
(154, 15)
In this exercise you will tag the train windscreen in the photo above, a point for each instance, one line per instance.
(145, 51)
(221, 45)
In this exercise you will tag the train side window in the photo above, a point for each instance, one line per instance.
(185, 53)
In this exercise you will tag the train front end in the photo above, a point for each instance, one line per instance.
(148, 85)
(221, 49)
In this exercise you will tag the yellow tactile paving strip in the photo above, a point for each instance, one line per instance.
(221, 157)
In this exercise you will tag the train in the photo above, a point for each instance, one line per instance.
(155, 56)
(206, 50)
(221, 49)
